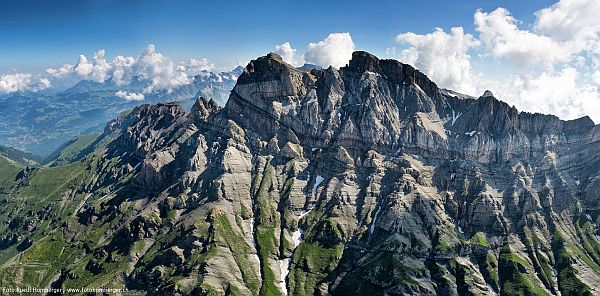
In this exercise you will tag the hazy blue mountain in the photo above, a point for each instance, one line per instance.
(40, 122)
(308, 67)
(20, 157)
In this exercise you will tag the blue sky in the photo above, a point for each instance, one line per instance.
(539, 55)
(37, 34)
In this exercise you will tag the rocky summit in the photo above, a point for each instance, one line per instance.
(363, 180)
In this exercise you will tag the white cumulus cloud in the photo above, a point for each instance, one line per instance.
(122, 69)
(570, 19)
(42, 84)
(552, 65)
(161, 71)
(502, 38)
(14, 82)
(45, 82)
(289, 55)
(101, 69)
(61, 72)
(561, 52)
(195, 67)
(442, 56)
(560, 93)
(335, 50)
(98, 69)
(130, 96)
(596, 77)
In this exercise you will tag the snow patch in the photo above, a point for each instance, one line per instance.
(297, 237)
(452, 176)
(252, 230)
(577, 182)
(284, 264)
(255, 255)
(471, 133)
(277, 106)
(458, 95)
(304, 213)
(290, 107)
(312, 97)
(372, 227)
(460, 230)
(431, 124)
(552, 140)
(455, 116)
(589, 217)
(284, 270)
(418, 87)
(318, 181)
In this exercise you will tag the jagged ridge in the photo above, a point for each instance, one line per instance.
(366, 179)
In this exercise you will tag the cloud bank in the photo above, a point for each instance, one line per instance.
(127, 96)
(551, 66)
(14, 82)
(554, 62)
(161, 71)
(335, 50)
(289, 55)
(443, 56)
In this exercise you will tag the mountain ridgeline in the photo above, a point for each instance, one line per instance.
(368, 179)
(39, 122)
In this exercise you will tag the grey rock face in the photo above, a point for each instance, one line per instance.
(364, 179)
(407, 186)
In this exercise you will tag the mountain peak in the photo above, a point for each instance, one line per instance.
(274, 56)
(487, 93)
(264, 68)
(203, 108)
(331, 107)
(363, 61)
(398, 72)
(304, 174)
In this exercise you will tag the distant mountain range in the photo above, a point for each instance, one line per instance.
(363, 180)
(20, 157)
(40, 122)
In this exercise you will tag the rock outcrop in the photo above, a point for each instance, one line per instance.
(358, 180)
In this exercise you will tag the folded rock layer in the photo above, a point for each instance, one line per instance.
(364, 179)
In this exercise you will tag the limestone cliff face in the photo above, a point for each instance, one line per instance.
(364, 179)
